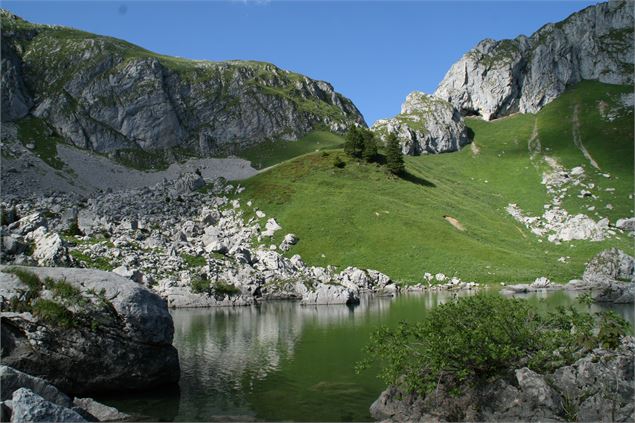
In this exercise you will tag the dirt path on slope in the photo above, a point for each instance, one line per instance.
(577, 139)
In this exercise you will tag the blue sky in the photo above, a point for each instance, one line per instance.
(372, 52)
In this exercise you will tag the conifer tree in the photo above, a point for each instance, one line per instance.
(354, 144)
(394, 157)
(369, 153)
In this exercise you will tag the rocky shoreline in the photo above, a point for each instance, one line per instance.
(185, 239)
(609, 277)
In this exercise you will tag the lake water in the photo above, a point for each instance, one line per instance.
(285, 361)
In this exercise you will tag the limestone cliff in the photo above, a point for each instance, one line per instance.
(107, 95)
(497, 78)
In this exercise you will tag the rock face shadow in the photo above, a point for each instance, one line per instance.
(407, 176)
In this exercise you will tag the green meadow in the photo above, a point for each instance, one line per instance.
(447, 214)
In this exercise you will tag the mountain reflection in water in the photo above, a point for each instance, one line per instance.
(286, 361)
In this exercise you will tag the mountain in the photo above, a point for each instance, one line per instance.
(107, 95)
(498, 78)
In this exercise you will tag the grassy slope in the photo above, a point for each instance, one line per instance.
(362, 216)
(272, 152)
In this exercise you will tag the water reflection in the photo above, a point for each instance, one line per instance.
(548, 299)
(285, 361)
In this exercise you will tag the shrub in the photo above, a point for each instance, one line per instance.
(200, 285)
(611, 329)
(193, 261)
(73, 229)
(31, 280)
(224, 288)
(471, 339)
(338, 162)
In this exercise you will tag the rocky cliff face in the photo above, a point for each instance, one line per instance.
(426, 124)
(105, 94)
(497, 78)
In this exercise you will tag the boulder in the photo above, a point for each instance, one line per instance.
(11, 380)
(120, 339)
(51, 250)
(288, 241)
(216, 247)
(612, 265)
(330, 294)
(271, 227)
(541, 283)
(29, 223)
(99, 411)
(132, 274)
(13, 244)
(30, 407)
(627, 225)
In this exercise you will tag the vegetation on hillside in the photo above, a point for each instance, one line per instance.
(472, 339)
(270, 153)
(359, 214)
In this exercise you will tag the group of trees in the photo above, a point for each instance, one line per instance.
(361, 143)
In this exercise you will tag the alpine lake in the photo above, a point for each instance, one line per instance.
(283, 361)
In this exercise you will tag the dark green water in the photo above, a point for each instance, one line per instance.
(284, 361)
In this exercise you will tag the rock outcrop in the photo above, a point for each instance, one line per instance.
(597, 387)
(498, 78)
(85, 330)
(426, 125)
(109, 96)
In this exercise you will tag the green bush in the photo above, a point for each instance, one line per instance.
(31, 280)
(193, 261)
(338, 162)
(471, 339)
(200, 285)
(73, 229)
(224, 288)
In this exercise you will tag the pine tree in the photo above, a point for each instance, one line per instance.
(369, 153)
(394, 157)
(354, 144)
